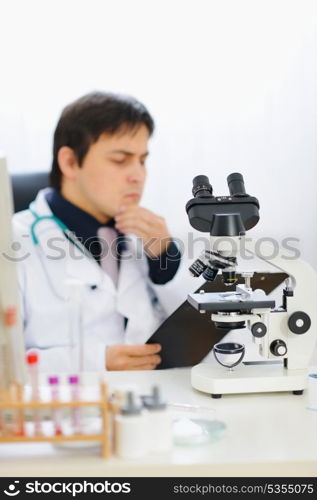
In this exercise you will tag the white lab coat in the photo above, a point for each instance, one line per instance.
(49, 312)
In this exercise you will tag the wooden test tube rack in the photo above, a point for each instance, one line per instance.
(7, 402)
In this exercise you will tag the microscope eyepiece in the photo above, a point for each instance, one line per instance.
(236, 185)
(201, 186)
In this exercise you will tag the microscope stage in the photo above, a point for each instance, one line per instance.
(247, 378)
(228, 302)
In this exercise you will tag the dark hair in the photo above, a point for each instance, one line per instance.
(84, 120)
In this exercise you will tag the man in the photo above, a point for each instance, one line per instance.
(90, 254)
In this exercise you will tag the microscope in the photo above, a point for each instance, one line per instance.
(285, 335)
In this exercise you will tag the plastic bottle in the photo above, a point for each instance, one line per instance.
(118, 398)
(159, 422)
(131, 436)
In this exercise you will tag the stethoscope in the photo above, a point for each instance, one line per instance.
(71, 237)
(67, 233)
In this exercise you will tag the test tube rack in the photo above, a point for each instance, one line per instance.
(14, 400)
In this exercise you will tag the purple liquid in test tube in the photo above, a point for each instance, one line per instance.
(75, 396)
(53, 382)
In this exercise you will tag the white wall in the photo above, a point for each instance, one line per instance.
(232, 86)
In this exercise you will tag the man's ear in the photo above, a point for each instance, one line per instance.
(67, 162)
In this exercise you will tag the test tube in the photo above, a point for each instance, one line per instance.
(32, 361)
(10, 316)
(7, 375)
(2, 420)
(16, 390)
(53, 382)
(75, 395)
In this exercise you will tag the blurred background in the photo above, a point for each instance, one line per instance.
(232, 86)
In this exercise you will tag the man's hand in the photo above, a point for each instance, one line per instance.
(132, 357)
(150, 227)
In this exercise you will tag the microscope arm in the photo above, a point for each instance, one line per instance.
(300, 346)
(300, 272)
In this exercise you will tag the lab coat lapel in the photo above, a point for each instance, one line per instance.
(85, 269)
(62, 259)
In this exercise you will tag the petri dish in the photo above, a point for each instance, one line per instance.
(194, 425)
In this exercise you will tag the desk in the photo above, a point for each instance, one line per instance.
(267, 435)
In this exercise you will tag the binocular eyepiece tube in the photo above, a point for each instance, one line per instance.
(202, 186)
(236, 185)
(224, 221)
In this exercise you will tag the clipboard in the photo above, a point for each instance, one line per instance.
(187, 337)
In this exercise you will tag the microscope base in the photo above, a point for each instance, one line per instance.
(264, 377)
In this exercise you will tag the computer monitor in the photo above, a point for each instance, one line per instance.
(12, 357)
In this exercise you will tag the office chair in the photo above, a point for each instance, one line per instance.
(26, 186)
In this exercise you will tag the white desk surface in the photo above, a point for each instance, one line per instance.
(267, 435)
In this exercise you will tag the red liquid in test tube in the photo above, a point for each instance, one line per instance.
(32, 361)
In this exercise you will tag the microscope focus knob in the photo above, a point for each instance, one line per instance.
(278, 347)
(258, 330)
(299, 322)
